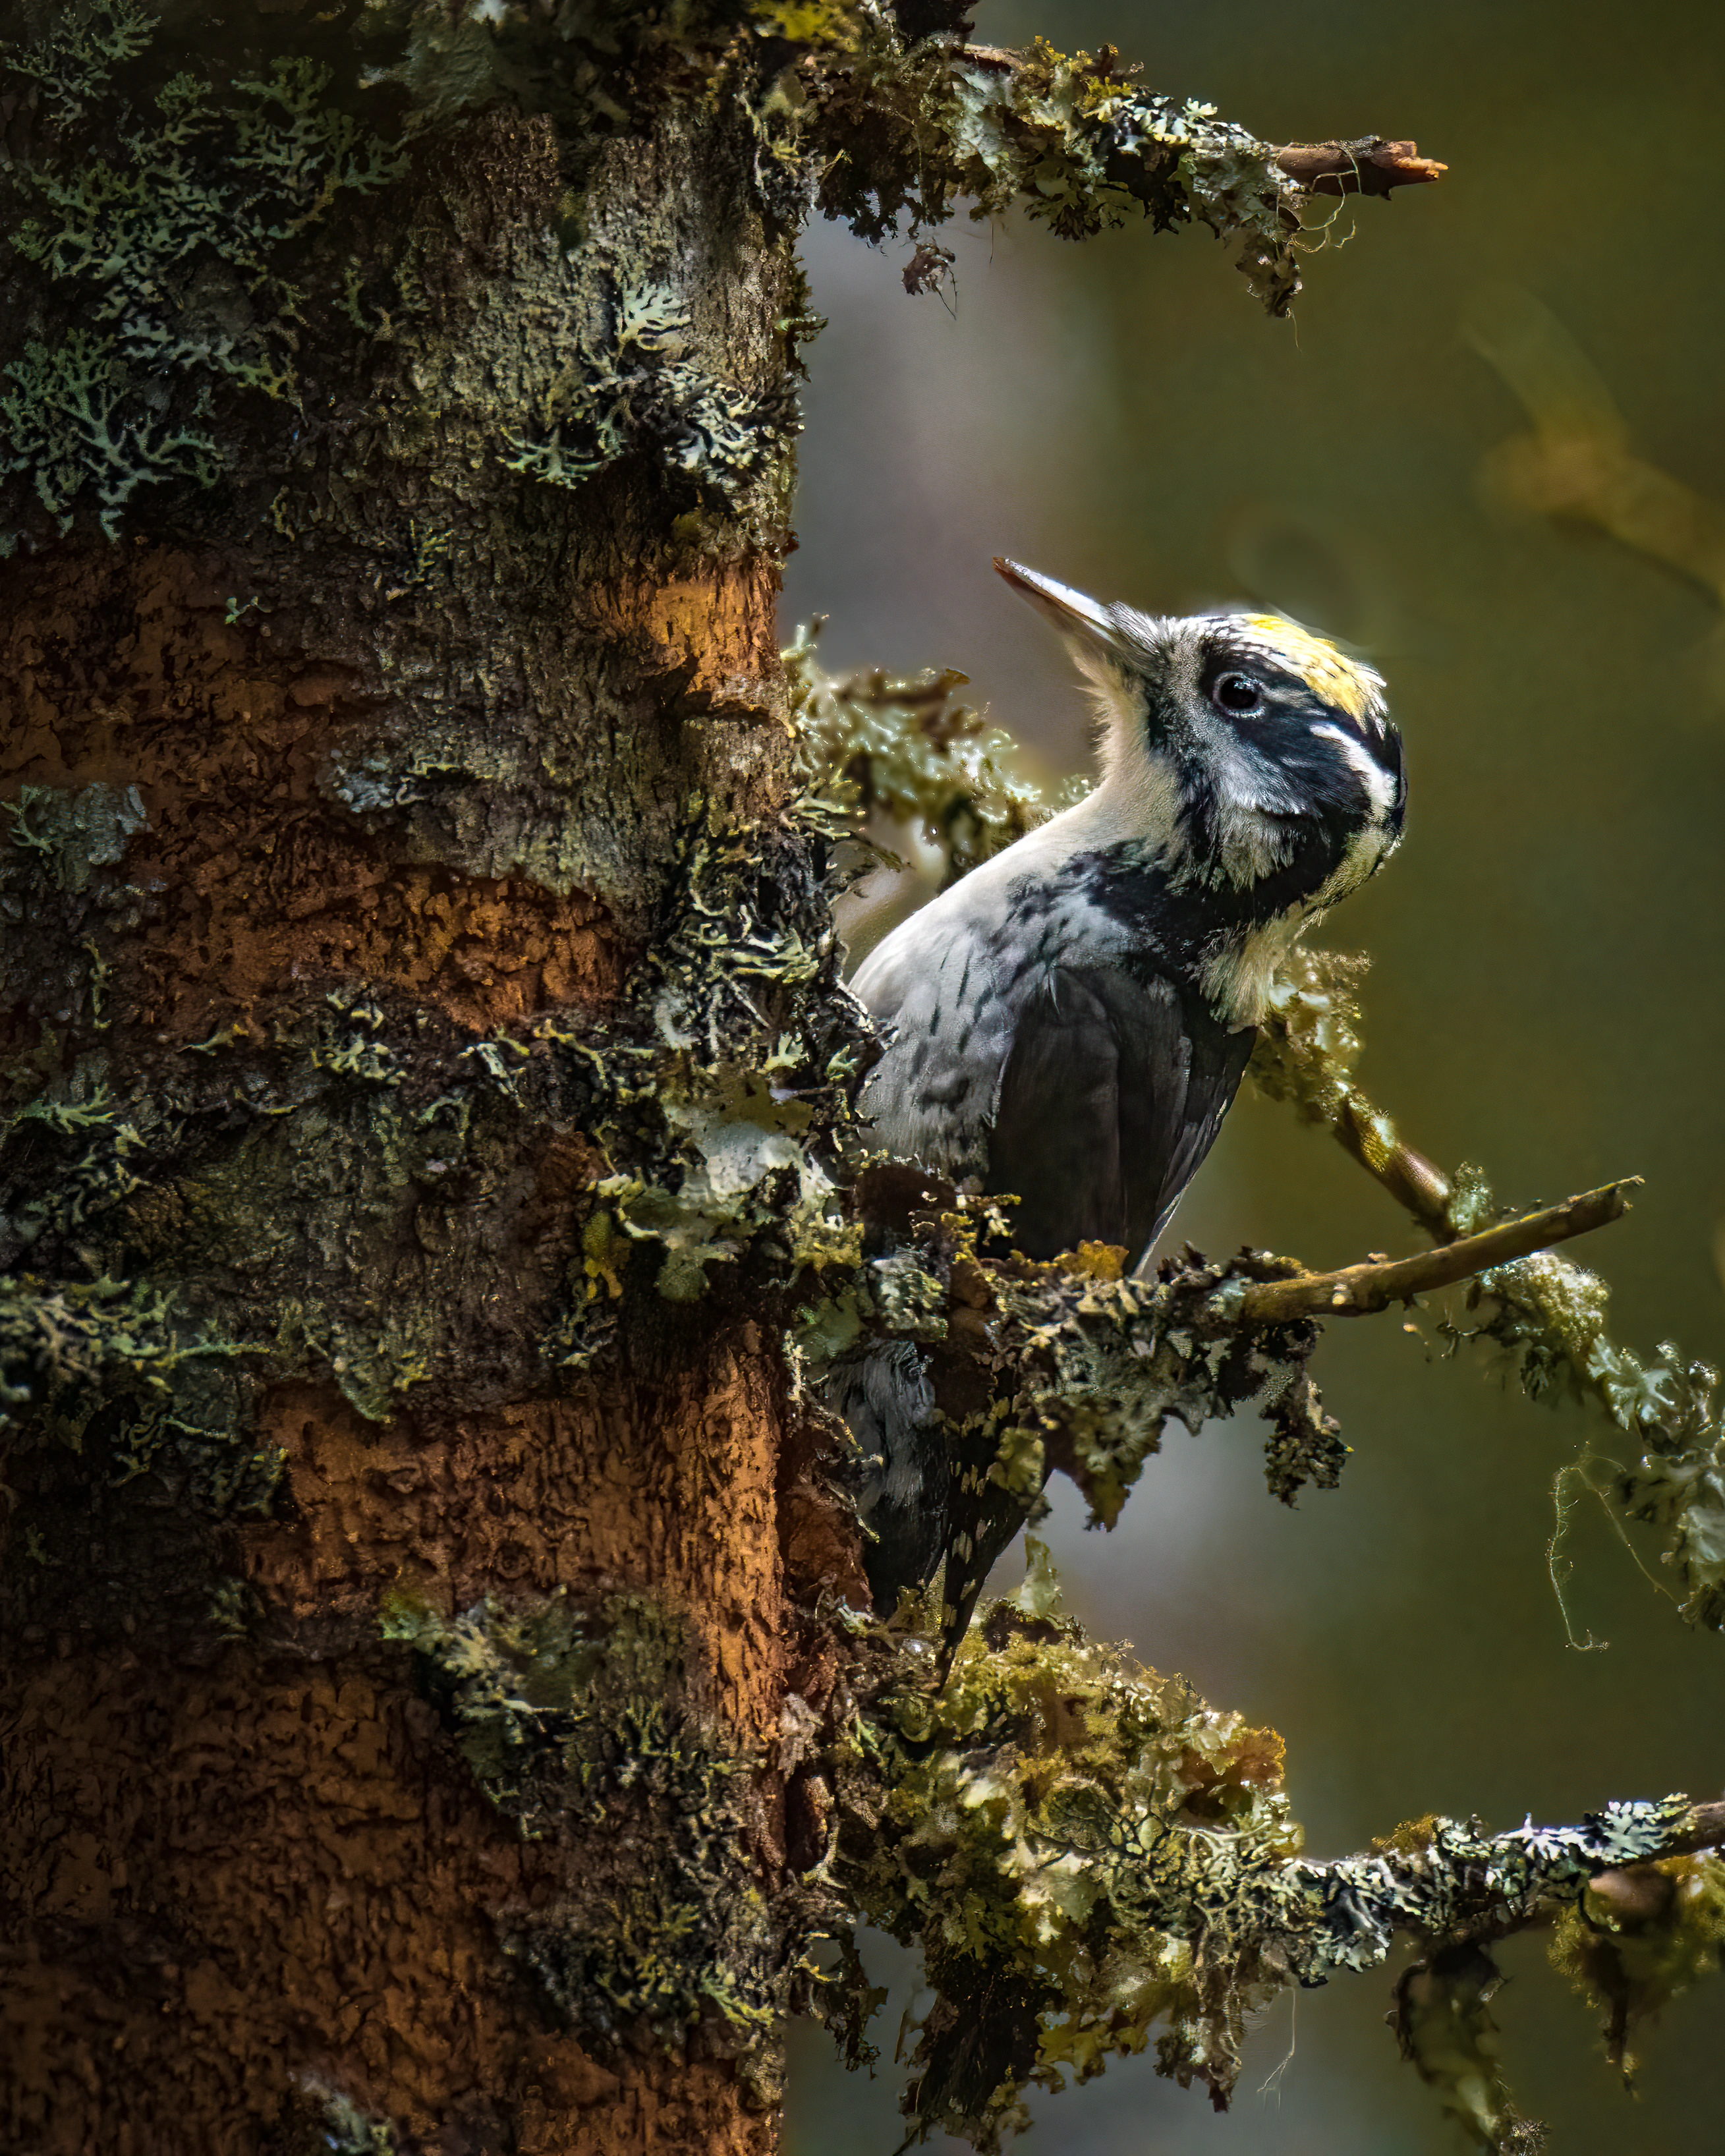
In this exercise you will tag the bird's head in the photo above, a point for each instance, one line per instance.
(1240, 748)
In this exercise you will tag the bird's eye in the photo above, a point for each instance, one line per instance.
(1237, 693)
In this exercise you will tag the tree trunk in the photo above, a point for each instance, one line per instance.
(348, 792)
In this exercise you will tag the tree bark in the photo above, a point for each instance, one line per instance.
(402, 741)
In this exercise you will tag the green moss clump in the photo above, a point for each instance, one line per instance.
(1049, 1842)
(562, 1716)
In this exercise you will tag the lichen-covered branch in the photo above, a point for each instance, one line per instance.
(1357, 1290)
(1088, 1858)
(1074, 143)
(908, 752)
(1087, 1855)
(1545, 1311)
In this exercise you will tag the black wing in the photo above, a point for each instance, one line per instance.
(1113, 1091)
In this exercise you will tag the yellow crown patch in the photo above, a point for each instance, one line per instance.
(1355, 690)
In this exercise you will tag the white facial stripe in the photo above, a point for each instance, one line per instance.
(1140, 797)
(1379, 784)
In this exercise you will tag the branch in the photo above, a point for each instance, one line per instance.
(1368, 167)
(1124, 1871)
(1356, 1291)
(1444, 1879)
(1075, 141)
(1549, 1314)
(1705, 1830)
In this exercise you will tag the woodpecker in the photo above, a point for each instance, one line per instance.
(1070, 1022)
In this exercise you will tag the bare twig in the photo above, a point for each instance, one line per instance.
(1354, 1291)
(1415, 1182)
(1368, 167)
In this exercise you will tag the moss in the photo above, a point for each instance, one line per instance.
(1637, 1938)
(728, 1117)
(335, 1186)
(1067, 1365)
(1032, 1803)
(562, 1715)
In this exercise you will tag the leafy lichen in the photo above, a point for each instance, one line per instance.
(1086, 1855)
(76, 830)
(640, 386)
(162, 239)
(907, 751)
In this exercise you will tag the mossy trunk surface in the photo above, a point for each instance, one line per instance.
(349, 782)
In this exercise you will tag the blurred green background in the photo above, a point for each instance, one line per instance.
(1545, 997)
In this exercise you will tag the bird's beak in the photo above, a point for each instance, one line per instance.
(1074, 614)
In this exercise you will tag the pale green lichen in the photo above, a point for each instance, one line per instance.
(639, 387)
(72, 1352)
(1080, 1368)
(1073, 142)
(906, 750)
(76, 59)
(164, 237)
(75, 425)
(562, 1716)
(1087, 1857)
(345, 2128)
(76, 830)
